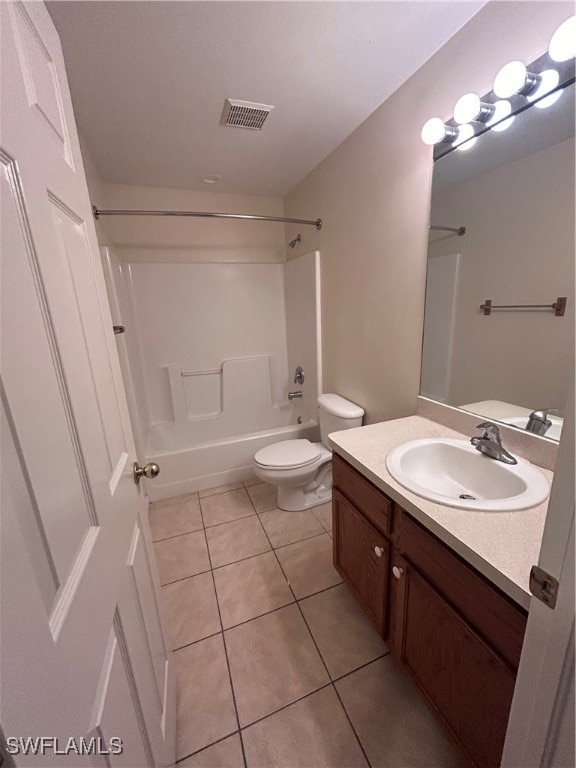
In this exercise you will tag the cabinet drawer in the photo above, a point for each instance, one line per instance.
(492, 614)
(373, 504)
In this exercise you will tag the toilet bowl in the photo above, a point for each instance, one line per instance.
(302, 470)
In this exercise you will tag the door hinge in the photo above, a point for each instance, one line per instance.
(543, 586)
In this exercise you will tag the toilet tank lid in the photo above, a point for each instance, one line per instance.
(339, 406)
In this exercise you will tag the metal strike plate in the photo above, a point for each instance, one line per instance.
(544, 586)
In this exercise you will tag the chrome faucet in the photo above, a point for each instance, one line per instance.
(294, 395)
(490, 443)
(538, 421)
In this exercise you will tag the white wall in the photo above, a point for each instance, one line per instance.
(302, 297)
(158, 239)
(198, 315)
(518, 249)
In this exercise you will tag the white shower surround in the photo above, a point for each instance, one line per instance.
(213, 397)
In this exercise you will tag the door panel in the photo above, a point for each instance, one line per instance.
(83, 649)
(116, 712)
(40, 78)
(34, 359)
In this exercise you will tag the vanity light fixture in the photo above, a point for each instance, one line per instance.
(516, 87)
(547, 101)
(514, 78)
(563, 42)
(435, 130)
(502, 109)
(549, 79)
(469, 108)
(465, 140)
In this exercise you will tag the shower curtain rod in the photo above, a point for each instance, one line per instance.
(246, 216)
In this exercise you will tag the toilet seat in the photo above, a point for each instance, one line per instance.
(288, 454)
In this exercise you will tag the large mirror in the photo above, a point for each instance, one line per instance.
(513, 191)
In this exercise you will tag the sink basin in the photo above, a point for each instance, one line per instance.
(554, 431)
(445, 470)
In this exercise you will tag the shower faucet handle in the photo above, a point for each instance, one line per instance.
(299, 375)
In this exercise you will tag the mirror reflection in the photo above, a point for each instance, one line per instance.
(513, 191)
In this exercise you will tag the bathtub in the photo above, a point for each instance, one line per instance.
(188, 465)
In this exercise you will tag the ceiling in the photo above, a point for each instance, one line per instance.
(149, 80)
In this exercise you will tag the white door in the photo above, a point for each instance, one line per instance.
(82, 652)
(541, 726)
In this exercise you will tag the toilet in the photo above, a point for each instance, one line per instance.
(303, 470)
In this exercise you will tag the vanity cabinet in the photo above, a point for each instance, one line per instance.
(456, 634)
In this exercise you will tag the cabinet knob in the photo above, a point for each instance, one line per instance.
(379, 551)
(397, 572)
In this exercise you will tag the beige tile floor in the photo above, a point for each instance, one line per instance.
(277, 666)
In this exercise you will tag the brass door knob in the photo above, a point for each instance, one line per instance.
(148, 470)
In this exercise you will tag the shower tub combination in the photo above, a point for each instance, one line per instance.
(189, 465)
(222, 417)
(213, 349)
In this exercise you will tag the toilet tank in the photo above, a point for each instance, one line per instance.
(337, 413)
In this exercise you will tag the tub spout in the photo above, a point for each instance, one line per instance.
(294, 395)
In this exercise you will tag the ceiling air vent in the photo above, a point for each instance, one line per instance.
(245, 114)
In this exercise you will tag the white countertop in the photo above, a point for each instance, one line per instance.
(503, 546)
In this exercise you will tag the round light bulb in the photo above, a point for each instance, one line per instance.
(510, 79)
(547, 101)
(550, 79)
(433, 131)
(467, 108)
(501, 110)
(465, 139)
(504, 125)
(563, 42)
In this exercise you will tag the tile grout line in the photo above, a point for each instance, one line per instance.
(331, 682)
(351, 724)
(195, 642)
(212, 744)
(316, 690)
(226, 522)
(273, 610)
(226, 655)
(192, 575)
(333, 686)
(297, 541)
(286, 706)
(289, 704)
(177, 535)
(244, 559)
(319, 653)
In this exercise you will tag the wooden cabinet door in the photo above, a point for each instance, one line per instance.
(361, 556)
(464, 678)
